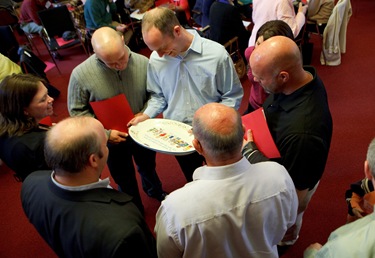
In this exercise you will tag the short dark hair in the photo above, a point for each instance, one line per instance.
(275, 28)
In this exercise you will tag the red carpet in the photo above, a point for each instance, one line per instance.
(350, 92)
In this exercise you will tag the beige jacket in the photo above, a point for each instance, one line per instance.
(319, 11)
(334, 35)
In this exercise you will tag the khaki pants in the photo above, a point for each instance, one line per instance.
(292, 233)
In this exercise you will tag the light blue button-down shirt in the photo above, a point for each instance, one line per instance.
(182, 84)
(353, 240)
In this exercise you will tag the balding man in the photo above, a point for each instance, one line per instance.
(78, 214)
(232, 208)
(297, 114)
(112, 70)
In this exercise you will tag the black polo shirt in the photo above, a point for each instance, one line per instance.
(301, 125)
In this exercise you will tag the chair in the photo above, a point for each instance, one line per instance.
(8, 43)
(56, 21)
(233, 49)
(9, 18)
(30, 63)
(134, 33)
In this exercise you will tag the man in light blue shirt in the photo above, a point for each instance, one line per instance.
(184, 73)
(355, 239)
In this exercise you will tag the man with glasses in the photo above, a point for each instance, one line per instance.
(112, 70)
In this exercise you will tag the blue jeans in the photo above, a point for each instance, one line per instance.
(32, 28)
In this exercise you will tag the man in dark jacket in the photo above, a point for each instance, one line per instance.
(77, 213)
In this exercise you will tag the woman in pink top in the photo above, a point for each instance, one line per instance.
(266, 31)
(264, 11)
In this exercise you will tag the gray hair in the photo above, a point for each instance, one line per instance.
(371, 157)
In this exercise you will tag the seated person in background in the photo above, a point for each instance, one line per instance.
(264, 11)
(77, 11)
(98, 13)
(141, 5)
(77, 213)
(226, 23)
(243, 210)
(24, 102)
(201, 12)
(182, 11)
(271, 28)
(355, 239)
(319, 12)
(8, 67)
(10, 6)
(28, 18)
(246, 9)
(360, 197)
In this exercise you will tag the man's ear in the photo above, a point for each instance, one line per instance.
(284, 76)
(176, 30)
(93, 161)
(197, 145)
(368, 173)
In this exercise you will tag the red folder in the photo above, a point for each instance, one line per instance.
(113, 113)
(256, 121)
(46, 121)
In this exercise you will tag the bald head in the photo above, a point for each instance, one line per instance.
(217, 118)
(106, 40)
(70, 143)
(74, 128)
(109, 47)
(278, 52)
(219, 130)
(277, 65)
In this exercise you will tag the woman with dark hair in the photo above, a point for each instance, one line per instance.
(266, 31)
(24, 102)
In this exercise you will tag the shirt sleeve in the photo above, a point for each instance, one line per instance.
(165, 238)
(229, 84)
(157, 103)
(78, 99)
(286, 13)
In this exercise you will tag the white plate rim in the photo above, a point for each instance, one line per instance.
(139, 128)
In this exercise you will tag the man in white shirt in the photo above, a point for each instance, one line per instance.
(232, 208)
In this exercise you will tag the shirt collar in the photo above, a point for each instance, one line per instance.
(221, 172)
(102, 183)
(287, 102)
(196, 44)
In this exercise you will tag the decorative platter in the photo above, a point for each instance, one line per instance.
(164, 135)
